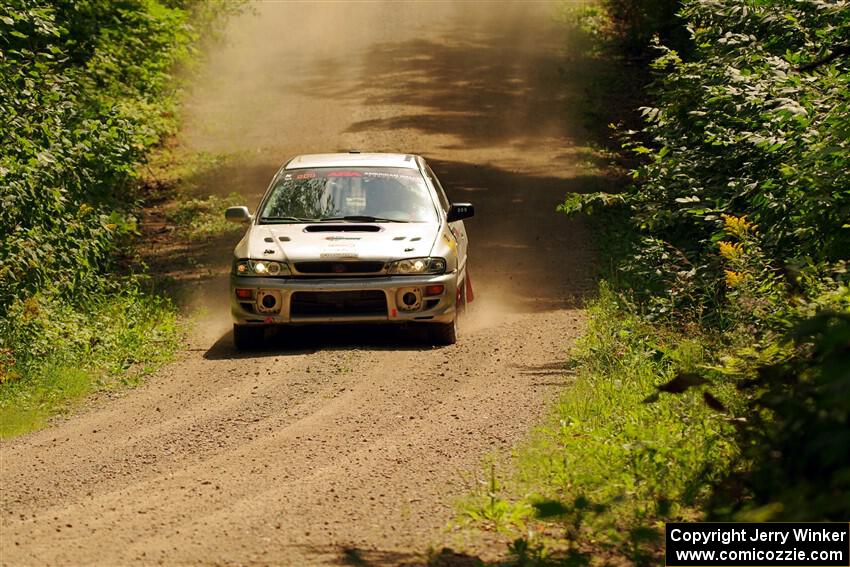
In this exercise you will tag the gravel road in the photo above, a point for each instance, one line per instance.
(344, 444)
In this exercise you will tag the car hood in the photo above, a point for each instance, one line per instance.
(340, 241)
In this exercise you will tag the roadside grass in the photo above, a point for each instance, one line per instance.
(176, 177)
(28, 405)
(617, 458)
(107, 343)
(90, 111)
(65, 351)
(197, 218)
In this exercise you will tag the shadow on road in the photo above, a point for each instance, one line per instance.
(448, 557)
(357, 557)
(484, 90)
(561, 369)
(307, 339)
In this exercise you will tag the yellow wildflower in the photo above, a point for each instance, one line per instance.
(731, 250)
(734, 279)
(738, 226)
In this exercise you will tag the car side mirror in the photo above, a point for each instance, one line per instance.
(237, 214)
(460, 211)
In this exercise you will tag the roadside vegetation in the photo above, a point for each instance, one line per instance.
(176, 178)
(713, 379)
(86, 90)
(179, 174)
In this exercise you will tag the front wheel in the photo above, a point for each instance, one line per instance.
(444, 334)
(247, 337)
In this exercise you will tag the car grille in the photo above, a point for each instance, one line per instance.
(338, 267)
(344, 303)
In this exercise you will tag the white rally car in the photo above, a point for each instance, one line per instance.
(351, 238)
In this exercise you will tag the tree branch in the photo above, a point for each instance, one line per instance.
(836, 53)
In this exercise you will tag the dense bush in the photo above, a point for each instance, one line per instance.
(741, 223)
(744, 129)
(797, 433)
(86, 88)
(83, 93)
(637, 23)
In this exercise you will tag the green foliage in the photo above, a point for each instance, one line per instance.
(797, 433)
(609, 463)
(68, 352)
(198, 218)
(634, 24)
(740, 130)
(741, 212)
(86, 88)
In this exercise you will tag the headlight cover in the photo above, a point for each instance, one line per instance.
(417, 266)
(260, 268)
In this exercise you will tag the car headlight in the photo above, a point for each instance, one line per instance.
(415, 266)
(262, 268)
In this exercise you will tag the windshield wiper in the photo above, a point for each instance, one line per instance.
(285, 219)
(361, 218)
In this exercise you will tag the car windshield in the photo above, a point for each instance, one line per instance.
(365, 194)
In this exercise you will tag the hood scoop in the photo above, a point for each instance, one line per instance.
(342, 228)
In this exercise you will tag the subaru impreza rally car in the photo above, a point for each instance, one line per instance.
(351, 238)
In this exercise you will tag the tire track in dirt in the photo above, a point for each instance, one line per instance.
(344, 438)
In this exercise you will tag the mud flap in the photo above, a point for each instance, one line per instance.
(468, 282)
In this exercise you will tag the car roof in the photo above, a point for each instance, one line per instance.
(353, 159)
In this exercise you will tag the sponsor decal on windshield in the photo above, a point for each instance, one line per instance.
(344, 174)
(389, 175)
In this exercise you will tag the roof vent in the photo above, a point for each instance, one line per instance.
(354, 151)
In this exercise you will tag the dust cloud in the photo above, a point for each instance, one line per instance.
(483, 90)
(439, 78)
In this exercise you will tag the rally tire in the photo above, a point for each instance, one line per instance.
(247, 337)
(444, 334)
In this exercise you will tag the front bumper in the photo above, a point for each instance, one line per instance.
(430, 309)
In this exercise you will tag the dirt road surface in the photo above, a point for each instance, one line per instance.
(345, 445)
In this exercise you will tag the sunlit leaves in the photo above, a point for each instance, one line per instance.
(736, 128)
(84, 88)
